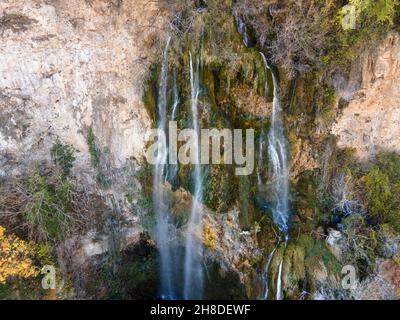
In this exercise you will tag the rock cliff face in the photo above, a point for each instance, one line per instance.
(69, 65)
(371, 121)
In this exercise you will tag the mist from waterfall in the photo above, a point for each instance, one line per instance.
(159, 198)
(193, 270)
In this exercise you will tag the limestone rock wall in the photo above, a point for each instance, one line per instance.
(69, 65)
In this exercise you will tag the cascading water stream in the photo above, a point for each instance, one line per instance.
(176, 100)
(266, 269)
(193, 271)
(279, 278)
(279, 173)
(278, 166)
(172, 169)
(260, 159)
(159, 198)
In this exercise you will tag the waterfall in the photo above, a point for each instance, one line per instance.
(266, 269)
(278, 168)
(279, 175)
(193, 271)
(176, 100)
(159, 197)
(260, 159)
(172, 169)
(278, 159)
(279, 278)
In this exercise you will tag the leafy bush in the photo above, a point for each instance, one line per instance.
(44, 206)
(15, 258)
(378, 193)
(381, 187)
(303, 36)
(63, 156)
(361, 243)
(382, 11)
(103, 181)
(93, 149)
(47, 213)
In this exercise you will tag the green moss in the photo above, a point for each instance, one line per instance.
(221, 188)
(326, 106)
(150, 94)
(308, 203)
(320, 252)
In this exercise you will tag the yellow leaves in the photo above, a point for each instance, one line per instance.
(209, 236)
(15, 258)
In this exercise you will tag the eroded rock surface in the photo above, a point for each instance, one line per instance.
(371, 121)
(68, 65)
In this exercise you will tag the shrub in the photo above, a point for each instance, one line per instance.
(295, 34)
(378, 193)
(93, 149)
(15, 258)
(210, 237)
(360, 243)
(47, 212)
(381, 187)
(382, 11)
(63, 156)
(103, 181)
(44, 207)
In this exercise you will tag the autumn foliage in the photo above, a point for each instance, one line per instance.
(15, 258)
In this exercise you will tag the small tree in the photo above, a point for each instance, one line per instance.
(382, 11)
(63, 156)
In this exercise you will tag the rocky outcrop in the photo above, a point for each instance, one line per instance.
(371, 121)
(70, 65)
(383, 285)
